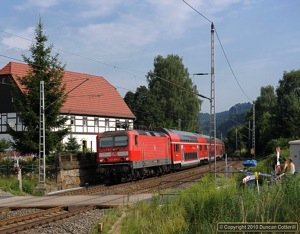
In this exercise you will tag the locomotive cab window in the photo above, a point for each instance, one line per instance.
(121, 141)
(113, 141)
(106, 142)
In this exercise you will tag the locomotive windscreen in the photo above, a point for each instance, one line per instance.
(113, 141)
(121, 140)
(106, 142)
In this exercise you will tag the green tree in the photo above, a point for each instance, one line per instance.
(265, 114)
(173, 95)
(72, 145)
(43, 67)
(129, 99)
(143, 107)
(231, 140)
(288, 110)
(4, 144)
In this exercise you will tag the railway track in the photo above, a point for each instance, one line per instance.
(4, 210)
(24, 222)
(150, 184)
(176, 179)
(195, 177)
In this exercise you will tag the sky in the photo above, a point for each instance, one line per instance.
(255, 41)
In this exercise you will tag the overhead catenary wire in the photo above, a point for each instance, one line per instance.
(223, 50)
(80, 56)
(19, 60)
(67, 94)
(197, 11)
(73, 80)
(150, 73)
(126, 70)
(99, 95)
(231, 69)
(122, 69)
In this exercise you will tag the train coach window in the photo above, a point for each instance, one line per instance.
(136, 140)
(176, 148)
(121, 141)
(106, 142)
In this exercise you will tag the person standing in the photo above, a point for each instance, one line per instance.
(285, 165)
(291, 167)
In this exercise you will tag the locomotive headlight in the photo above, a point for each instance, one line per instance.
(101, 160)
(127, 158)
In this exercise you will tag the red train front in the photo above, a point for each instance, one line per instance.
(132, 154)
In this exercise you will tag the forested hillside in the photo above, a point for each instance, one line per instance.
(225, 120)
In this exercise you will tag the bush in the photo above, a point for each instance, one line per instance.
(10, 185)
(4, 144)
(274, 143)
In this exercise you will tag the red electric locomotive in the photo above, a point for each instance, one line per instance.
(133, 154)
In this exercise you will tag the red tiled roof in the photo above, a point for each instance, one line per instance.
(96, 96)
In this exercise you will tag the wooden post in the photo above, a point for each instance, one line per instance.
(20, 178)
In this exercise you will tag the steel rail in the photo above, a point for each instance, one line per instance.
(25, 222)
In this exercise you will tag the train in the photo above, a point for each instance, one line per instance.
(127, 155)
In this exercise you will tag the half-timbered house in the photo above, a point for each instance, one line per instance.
(91, 107)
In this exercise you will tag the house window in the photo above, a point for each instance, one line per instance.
(19, 120)
(84, 121)
(106, 123)
(4, 118)
(126, 125)
(72, 120)
(118, 125)
(96, 122)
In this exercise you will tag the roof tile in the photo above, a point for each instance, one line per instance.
(96, 96)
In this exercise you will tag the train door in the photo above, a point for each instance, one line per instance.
(212, 151)
(206, 152)
(143, 154)
(182, 153)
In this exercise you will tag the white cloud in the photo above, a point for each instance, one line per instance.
(133, 26)
(118, 37)
(19, 39)
(120, 28)
(44, 4)
(96, 8)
